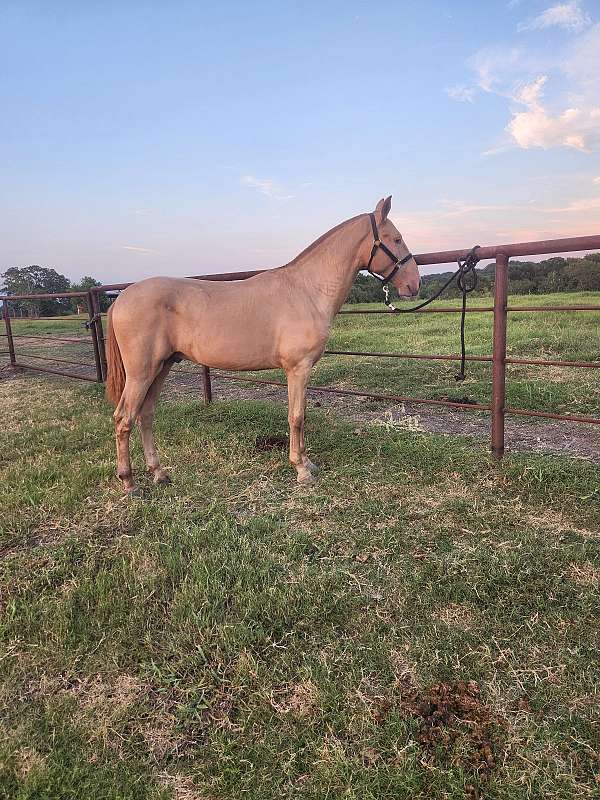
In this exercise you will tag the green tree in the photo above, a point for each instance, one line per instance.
(86, 283)
(36, 280)
(583, 274)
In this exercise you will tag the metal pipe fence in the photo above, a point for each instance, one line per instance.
(24, 346)
(498, 358)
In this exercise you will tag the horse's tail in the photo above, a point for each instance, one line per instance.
(115, 379)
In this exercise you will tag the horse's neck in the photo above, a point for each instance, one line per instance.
(328, 271)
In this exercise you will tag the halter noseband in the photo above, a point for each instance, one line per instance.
(379, 245)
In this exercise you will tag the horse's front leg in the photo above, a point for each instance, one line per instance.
(297, 379)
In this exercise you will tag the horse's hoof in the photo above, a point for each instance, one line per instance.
(306, 479)
(314, 468)
(134, 492)
(161, 477)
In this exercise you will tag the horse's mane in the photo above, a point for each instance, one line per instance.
(319, 241)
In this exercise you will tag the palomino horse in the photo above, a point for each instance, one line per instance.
(279, 318)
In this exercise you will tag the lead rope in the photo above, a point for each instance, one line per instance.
(466, 280)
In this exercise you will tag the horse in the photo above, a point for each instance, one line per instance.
(280, 318)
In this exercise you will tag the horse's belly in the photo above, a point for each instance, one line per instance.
(225, 345)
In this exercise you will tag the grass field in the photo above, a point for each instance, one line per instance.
(558, 336)
(419, 624)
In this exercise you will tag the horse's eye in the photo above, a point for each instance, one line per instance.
(398, 240)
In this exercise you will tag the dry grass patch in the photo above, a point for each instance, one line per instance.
(160, 735)
(585, 574)
(182, 787)
(458, 614)
(28, 760)
(108, 696)
(299, 700)
(558, 522)
(102, 704)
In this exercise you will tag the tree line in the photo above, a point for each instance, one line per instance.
(525, 277)
(44, 280)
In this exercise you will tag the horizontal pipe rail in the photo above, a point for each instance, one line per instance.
(27, 354)
(396, 398)
(75, 320)
(472, 309)
(419, 400)
(58, 372)
(572, 244)
(525, 412)
(43, 296)
(534, 361)
(70, 339)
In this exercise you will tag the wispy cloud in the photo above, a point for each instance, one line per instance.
(464, 94)
(265, 186)
(134, 249)
(142, 212)
(577, 206)
(562, 15)
(596, 179)
(458, 208)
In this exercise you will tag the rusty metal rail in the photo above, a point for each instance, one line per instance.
(499, 360)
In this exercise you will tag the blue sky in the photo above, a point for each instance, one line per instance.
(178, 138)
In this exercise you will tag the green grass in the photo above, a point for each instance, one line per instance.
(237, 636)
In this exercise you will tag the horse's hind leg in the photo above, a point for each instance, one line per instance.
(126, 413)
(145, 421)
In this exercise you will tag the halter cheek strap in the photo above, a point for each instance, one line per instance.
(379, 245)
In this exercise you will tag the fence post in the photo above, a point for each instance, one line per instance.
(92, 322)
(99, 333)
(499, 355)
(207, 384)
(9, 335)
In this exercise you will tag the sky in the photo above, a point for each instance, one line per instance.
(179, 138)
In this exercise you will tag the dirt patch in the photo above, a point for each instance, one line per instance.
(264, 443)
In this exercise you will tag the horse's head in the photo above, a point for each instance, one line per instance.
(397, 264)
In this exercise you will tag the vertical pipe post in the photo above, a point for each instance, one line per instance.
(207, 384)
(99, 333)
(9, 334)
(92, 322)
(499, 356)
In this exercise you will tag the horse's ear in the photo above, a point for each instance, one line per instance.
(383, 208)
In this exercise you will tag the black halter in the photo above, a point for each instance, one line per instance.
(379, 245)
